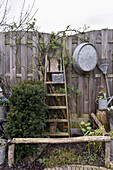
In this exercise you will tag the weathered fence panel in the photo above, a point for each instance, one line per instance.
(17, 63)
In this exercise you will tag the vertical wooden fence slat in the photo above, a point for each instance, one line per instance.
(91, 89)
(104, 55)
(23, 57)
(104, 42)
(110, 57)
(97, 80)
(30, 54)
(35, 54)
(69, 72)
(80, 88)
(2, 50)
(7, 50)
(86, 96)
(12, 58)
(74, 84)
(74, 81)
(1, 53)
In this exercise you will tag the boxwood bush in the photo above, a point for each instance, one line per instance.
(26, 118)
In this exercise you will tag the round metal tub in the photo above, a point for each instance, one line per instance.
(84, 58)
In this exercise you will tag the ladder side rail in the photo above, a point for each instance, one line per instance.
(64, 53)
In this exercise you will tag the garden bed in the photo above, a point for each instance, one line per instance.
(72, 147)
(58, 155)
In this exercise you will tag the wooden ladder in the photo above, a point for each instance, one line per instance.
(56, 97)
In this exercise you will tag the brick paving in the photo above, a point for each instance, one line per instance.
(78, 167)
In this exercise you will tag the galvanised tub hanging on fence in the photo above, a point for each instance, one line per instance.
(84, 58)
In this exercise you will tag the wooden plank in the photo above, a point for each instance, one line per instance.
(86, 96)
(80, 97)
(66, 98)
(91, 88)
(69, 72)
(56, 120)
(108, 75)
(104, 42)
(18, 59)
(11, 154)
(74, 95)
(35, 55)
(56, 94)
(12, 58)
(23, 57)
(107, 154)
(55, 72)
(103, 55)
(7, 51)
(97, 35)
(110, 57)
(80, 88)
(101, 127)
(57, 107)
(51, 82)
(29, 55)
(2, 53)
(61, 140)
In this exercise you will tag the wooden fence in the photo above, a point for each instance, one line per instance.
(83, 90)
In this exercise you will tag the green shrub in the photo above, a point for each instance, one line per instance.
(26, 118)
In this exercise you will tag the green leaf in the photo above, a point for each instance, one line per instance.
(89, 128)
(82, 123)
(83, 130)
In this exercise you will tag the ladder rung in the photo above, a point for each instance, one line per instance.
(56, 120)
(56, 94)
(57, 107)
(58, 134)
(51, 82)
(55, 72)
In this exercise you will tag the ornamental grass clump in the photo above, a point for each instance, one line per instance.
(26, 118)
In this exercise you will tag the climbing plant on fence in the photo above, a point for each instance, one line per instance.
(31, 42)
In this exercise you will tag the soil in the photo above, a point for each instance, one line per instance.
(80, 151)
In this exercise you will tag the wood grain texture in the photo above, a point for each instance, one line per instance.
(61, 140)
(11, 154)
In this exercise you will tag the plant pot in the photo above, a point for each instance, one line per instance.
(53, 127)
(3, 111)
(2, 151)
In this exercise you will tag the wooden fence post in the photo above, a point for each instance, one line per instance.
(11, 154)
(107, 154)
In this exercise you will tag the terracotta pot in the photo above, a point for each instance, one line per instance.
(53, 127)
